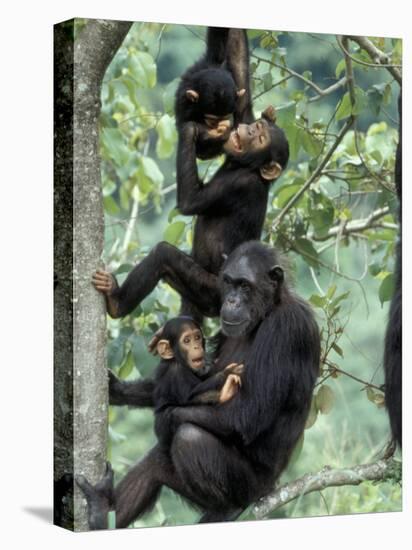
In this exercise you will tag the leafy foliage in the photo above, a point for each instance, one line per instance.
(338, 232)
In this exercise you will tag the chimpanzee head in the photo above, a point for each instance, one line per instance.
(261, 145)
(251, 282)
(214, 93)
(182, 341)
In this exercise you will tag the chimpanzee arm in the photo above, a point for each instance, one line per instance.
(208, 391)
(193, 197)
(137, 393)
(279, 377)
(238, 64)
(216, 42)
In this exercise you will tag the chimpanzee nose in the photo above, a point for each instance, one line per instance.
(232, 301)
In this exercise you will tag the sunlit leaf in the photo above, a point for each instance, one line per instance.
(325, 399)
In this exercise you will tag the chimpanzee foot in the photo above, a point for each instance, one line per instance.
(99, 497)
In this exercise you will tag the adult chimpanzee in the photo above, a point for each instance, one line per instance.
(223, 458)
(230, 209)
(207, 95)
(393, 340)
(178, 378)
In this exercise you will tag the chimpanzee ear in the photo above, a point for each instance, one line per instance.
(271, 171)
(276, 273)
(164, 349)
(241, 92)
(192, 96)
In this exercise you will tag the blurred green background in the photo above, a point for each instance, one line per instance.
(348, 279)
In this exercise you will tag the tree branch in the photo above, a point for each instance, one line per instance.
(321, 92)
(309, 483)
(314, 175)
(353, 226)
(380, 58)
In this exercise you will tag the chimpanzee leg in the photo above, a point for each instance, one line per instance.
(138, 491)
(214, 474)
(182, 273)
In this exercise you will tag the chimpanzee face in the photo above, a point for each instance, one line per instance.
(248, 138)
(249, 292)
(191, 347)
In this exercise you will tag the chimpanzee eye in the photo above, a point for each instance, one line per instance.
(226, 280)
(245, 286)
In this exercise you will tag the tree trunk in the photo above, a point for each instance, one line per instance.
(80, 374)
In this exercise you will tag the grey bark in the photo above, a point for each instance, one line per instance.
(81, 396)
(382, 470)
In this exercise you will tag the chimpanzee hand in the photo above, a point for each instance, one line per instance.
(221, 130)
(269, 113)
(106, 283)
(234, 368)
(231, 387)
(99, 497)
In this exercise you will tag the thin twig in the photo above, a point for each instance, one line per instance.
(314, 175)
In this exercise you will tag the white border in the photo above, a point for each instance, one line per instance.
(26, 304)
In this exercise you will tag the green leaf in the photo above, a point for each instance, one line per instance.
(127, 366)
(317, 301)
(174, 232)
(114, 143)
(338, 349)
(340, 67)
(339, 299)
(124, 268)
(386, 288)
(172, 214)
(143, 69)
(331, 292)
(110, 206)
(307, 250)
(325, 399)
(285, 115)
(169, 95)
(151, 170)
(286, 192)
(312, 145)
(167, 137)
(345, 108)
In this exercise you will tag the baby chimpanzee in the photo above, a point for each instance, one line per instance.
(207, 95)
(184, 378)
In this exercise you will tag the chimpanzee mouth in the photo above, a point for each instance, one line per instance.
(198, 362)
(234, 324)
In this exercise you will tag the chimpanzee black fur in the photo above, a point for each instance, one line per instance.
(230, 209)
(393, 339)
(217, 94)
(223, 458)
(177, 384)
